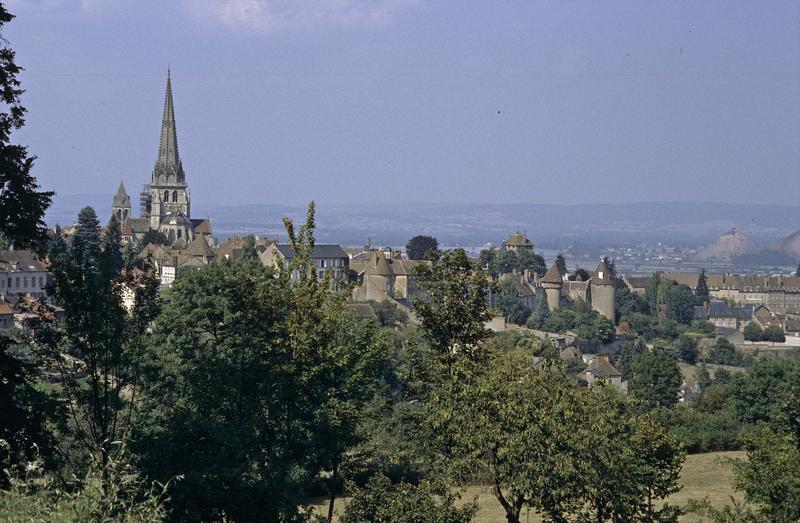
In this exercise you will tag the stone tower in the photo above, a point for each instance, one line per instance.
(553, 281)
(169, 192)
(121, 206)
(604, 291)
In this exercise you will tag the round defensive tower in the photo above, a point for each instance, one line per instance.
(604, 291)
(553, 281)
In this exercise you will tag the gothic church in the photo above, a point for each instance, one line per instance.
(165, 204)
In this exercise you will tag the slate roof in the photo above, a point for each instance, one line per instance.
(324, 250)
(133, 225)
(20, 261)
(201, 226)
(721, 309)
(553, 275)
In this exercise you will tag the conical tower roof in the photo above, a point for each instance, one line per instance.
(168, 168)
(553, 275)
(121, 199)
(603, 276)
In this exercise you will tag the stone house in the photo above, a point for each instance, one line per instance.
(327, 259)
(600, 370)
(721, 314)
(21, 275)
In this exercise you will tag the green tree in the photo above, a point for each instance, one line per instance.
(508, 412)
(488, 260)
(755, 392)
(753, 332)
(774, 333)
(701, 291)
(510, 303)
(249, 247)
(723, 352)
(687, 349)
(539, 316)
(530, 261)
(636, 461)
(703, 377)
(676, 301)
(22, 204)
(651, 293)
(454, 312)
(628, 303)
(381, 500)
(631, 348)
(24, 431)
(99, 336)
(422, 247)
(561, 263)
(770, 477)
(154, 237)
(655, 378)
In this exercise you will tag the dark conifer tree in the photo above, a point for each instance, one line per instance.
(701, 291)
(561, 263)
(22, 205)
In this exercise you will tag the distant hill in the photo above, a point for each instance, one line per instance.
(730, 245)
(790, 245)
(478, 224)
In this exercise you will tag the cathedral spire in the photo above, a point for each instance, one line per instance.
(168, 168)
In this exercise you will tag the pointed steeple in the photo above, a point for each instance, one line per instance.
(168, 168)
(121, 199)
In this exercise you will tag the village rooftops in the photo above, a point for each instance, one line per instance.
(321, 250)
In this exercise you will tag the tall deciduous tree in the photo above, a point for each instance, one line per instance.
(454, 311)
(422, 247)
(97, 336)
(655, 378)
(22, 204)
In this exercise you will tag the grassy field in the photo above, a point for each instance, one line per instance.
(703, 475)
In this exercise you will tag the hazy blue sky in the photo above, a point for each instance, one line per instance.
(282, 101)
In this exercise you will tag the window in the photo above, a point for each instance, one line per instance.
(175, 196)
(16, 282)
(25, 281)
(179, 233)
(321, 274)
(322, 263)
(166, 196)
(41, 281)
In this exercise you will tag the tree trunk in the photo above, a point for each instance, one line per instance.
(512, 512)
(332, 491)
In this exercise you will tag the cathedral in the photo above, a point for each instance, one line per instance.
(164, 203)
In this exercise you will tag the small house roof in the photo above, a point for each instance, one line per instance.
(602, 368)
(379, 266)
